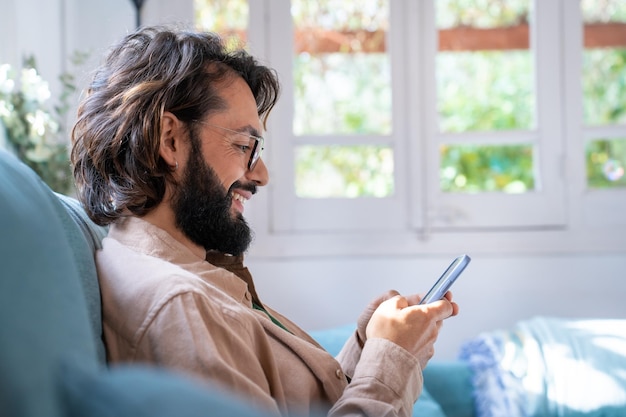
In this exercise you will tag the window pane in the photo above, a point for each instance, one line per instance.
(229, 18)
(484, 67)
(341, 69)
(506, 168)
(606, 159)
(604, 61)
(344, 171)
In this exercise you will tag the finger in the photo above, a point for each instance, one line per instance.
(442, 309)
(414, 299)
(455, 309)
(398, 302)
(390, 294)
(384, 297)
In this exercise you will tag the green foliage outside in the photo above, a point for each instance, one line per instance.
(342, 94)
(341, 14)
(470, 168)
(604, 86)
(344, 171)
(481, 13)
(484, 91)
(606, 159)
(34, 128)
(226, 17)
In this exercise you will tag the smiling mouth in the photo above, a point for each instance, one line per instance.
(239, 197)
(240, 194)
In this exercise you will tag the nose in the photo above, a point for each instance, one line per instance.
(259, 174)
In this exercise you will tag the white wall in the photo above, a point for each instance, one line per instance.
(494, 292)
(30, 27)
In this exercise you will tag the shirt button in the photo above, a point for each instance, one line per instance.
(339, 374)
(248, 296)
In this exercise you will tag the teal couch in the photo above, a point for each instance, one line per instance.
(52, 360)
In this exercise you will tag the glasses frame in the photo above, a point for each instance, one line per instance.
(256, 149)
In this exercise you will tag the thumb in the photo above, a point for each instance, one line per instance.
(365, 317)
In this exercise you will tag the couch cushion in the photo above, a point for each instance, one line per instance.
(135, 391)
(450, 384)
(426, 406)
(43, 313)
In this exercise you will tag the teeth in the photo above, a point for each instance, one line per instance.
(239, 197)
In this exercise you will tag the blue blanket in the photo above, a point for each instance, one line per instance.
(550, 367)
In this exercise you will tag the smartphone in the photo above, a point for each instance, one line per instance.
(446, 280)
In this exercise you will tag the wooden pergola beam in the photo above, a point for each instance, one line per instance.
(320, 41)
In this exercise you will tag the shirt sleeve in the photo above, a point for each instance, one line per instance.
(386, 381)
(350, 354)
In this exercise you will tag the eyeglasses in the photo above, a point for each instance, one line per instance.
(256, 148)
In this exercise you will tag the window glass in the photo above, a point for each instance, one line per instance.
(605, 163)
(344, 171)
(487, 168)
(604, 88)
(229, 18)
(484, 71)
(342, 86)
(604, 61)
(484, 66)
(341, 67)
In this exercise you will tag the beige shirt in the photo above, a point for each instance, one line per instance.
(164, 305)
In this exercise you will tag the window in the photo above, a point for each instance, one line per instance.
(229, 18)
(339, 121)
(408, 127)
(601, 63)
(604, 89)
(485, 71)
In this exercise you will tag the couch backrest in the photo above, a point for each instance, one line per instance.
(85, 237)
(49, 298)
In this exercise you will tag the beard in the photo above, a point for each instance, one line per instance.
(202, 209)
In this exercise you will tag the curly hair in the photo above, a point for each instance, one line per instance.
(115, 140)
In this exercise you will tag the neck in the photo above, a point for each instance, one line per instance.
(163, 217)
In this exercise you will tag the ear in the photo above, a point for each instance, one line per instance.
(171, 141)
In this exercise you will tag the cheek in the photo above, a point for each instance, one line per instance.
(228, 162)
(227, 167)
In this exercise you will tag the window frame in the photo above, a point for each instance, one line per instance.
(544, 207)
(597, 207)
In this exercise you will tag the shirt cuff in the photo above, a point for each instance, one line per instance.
(386, 363)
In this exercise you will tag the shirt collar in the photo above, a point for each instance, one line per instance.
(144, 237)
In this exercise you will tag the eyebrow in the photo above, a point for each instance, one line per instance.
(251, 131)
(242, 130)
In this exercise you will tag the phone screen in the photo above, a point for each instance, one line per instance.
(446, 280)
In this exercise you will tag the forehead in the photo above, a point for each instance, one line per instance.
(240, 103)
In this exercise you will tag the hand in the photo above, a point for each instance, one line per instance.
(364, 318)
(411, 326)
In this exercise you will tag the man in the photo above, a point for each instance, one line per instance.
(166, 150)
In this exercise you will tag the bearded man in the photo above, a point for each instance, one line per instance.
(166, 151)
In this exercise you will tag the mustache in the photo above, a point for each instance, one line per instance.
(250, 186)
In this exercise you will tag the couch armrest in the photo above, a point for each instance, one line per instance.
(450, 384)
